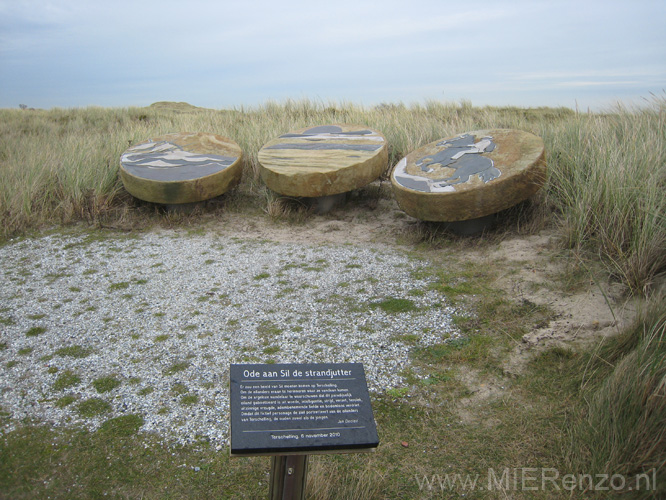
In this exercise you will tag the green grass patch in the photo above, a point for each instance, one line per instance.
(476, 350)
(65, 401)
(122, 285)
(189, 399)
(93, 407)
(135, 463)
(74, 351)
(407, 338)
(125, 425)
(271, 349)
(66, 379)
(453, 291)
(268, 329)
(394, 305)
(105, 384)
(7, 320)
(397, 392)
(34, 331)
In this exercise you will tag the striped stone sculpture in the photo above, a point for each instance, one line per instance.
(323, 161)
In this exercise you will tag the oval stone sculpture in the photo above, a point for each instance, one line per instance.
(181, 168)
(323, 161)
(470, 175)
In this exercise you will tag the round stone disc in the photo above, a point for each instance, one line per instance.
(470, 175)
(181, 168)
(323, 161)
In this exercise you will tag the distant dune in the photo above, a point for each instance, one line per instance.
(174, 106)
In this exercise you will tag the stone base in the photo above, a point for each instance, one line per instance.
(324, 204)
(471, 226)
(183, 208)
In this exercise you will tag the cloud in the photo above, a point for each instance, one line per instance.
(619, 78)
(598, 83)
(239, 52)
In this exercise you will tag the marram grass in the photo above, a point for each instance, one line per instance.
(622, 426)
(605, 192)
(608, 176)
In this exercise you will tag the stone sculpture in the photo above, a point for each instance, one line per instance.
(181, 168)
(469, 176)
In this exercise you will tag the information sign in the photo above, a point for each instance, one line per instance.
(300, 408)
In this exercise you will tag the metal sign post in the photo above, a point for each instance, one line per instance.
(288, 477)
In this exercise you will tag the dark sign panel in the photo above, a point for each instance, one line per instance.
(281, 408)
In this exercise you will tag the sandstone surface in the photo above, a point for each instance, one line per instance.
(324, 160)
(469, 176)
(181, 168)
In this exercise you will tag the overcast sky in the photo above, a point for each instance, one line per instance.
(232, 53)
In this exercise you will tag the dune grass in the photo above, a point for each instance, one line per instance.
(605, 192)
(622, 426)
(608, 175)
(609, 406)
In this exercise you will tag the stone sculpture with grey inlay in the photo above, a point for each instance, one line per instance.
(469, 176)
